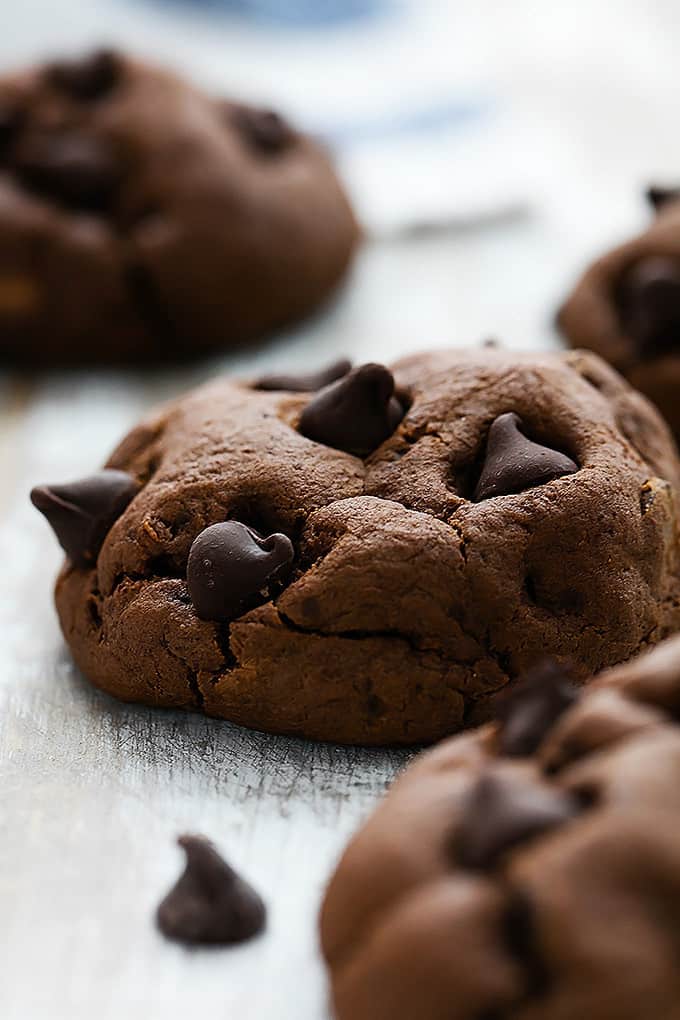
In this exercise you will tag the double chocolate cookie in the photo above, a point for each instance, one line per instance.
(626, 307)
(529, 870)
(373, 562)
(142, 220)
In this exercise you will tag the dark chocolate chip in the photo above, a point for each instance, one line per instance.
(82, 513)
(11, 119)
(501, 813)
(79, 170)
(210, 904)
(89, 78)
(532, 707)
(513, 462)
(521, 937)
(649, 301)
(265, 130)
(356, 414)
(230, 563)
(306, 383)
(658, 197)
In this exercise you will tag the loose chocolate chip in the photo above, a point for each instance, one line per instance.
(513, 463)
(89, 78)
(649, 301)
(230, 563)
(658, 197)
(532, 707)
(82, 513)
(265, 130)
(79, 170)
(210, 904)
(501, 813)
(356, 414)
(306, 383)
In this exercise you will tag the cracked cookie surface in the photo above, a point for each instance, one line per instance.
(411, 594)
(142, 220)
(626, 308)
(539, 886)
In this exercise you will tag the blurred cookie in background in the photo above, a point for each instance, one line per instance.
(626, 307)
(142, 220)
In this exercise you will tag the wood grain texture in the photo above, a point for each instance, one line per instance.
(93, 793)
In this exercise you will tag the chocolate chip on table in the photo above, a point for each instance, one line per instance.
(355, 414)
(532, 707)
(305, 383)
(229, 563)
(88, 78)
(649, 301)
(82, 513)
(502, 812)
(265, 130)
(658, 196)
(79, 170)
(210, 904)
(512, 462)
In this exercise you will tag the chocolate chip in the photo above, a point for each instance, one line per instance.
(230, 563)
(532, 708)
(79, 170)
(502, 812)
(356, 414)
(513, 462)
(519, 929)
(89, 78)
(305, 383)
(82, 513)
(11, 119)
(265, 130)
(649, 302)
(658, 197)
(210, 904)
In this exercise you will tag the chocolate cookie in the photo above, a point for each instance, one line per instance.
(543, 884)
(141, 219)
(373, 562)
(626, 307)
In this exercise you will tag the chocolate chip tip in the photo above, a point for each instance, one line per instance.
(513, 462)
(528, 710)
(357, 413)
(658, 196)
(210, 904)
(87, 77)
(81, 513)
(502, 813)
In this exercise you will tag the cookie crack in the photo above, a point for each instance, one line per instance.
(192, 677)
(357, 635)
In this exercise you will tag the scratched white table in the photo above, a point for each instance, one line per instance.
(92, 793)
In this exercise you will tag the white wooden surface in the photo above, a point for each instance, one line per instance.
(92, 793)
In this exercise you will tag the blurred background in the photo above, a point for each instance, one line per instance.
(492, 149)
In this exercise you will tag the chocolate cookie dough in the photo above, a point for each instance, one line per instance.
(626, 307)
(529, 870)
(373, 562)
(142, 220)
